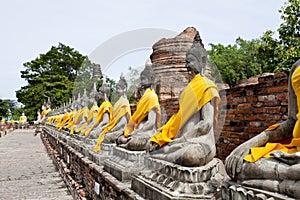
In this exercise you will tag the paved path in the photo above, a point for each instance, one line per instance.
(26, 170)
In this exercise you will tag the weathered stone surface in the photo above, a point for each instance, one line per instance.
(164, 180)
(232, 190)
(124, 163)
(26, 171)
(168, 61)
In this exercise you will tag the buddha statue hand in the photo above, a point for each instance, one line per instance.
(122, 140)
(289, 159)
(234, 162)
(152, 146)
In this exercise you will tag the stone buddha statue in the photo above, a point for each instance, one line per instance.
(146, 119)
(92, 113)
(271, 160)
(104, 114)
(121, 115)
(84, 112)
(187, 139)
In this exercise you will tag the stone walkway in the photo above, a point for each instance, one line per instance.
(26, 170)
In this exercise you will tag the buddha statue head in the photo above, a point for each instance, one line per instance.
(121, 86)
(104, 91)
(94, 95)
(196, 57)
(85, 99)
(147, 76)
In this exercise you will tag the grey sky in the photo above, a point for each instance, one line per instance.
(31, 27)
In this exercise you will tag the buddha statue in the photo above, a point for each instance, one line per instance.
(92, 113)
(271, 160)
(146, 119)
(104, 114)
(23, 119)
(121, 114)
(84, 112)
(187, 139)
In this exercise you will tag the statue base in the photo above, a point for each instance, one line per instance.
(233, 190)
(164, 180)
(124, 163)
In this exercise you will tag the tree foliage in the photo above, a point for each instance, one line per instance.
(238, 61)
(266, 54)
(51, 75)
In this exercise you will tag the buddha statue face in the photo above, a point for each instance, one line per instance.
(147, 76)
(121, 86)
(196, 57)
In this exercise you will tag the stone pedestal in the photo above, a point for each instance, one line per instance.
(164, 180)
(124, 163)
(232, 190)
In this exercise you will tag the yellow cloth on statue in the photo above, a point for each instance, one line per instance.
(198, 92)
(104, 107)
(78, 117)
(294, 145)
(44, 113)
(147, 102)
(120, 109)
(85, 115)
(65, 119)
(89, 117)
(22, 118)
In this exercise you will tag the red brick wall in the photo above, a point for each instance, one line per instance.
(251, 109)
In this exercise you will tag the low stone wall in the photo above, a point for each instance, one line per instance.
(84, 178)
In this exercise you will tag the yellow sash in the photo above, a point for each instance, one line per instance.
(79, 115)
(120, 109)
(88, 114)
(198, 92)
(22, 119)
(148, 102)
(294, 145)
(105, 107)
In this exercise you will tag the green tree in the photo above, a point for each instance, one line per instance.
(238, 61)
(51, 75)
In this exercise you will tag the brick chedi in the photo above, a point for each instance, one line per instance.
(168, 61)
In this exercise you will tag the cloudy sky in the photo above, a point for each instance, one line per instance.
(31, 27)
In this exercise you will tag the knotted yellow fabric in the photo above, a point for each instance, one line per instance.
(104, 107)
(120, 109)
(147, 102)
(294, 145)
(198, 92)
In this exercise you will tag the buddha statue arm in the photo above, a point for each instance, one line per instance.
(151, 122)
(234, 161)
(120, 124)
(105, 120)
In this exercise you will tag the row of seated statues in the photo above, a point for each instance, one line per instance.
(270, 161)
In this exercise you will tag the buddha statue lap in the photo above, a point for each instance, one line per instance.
(146, 119)
(272, 165)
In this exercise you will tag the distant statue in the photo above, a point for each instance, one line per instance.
(84, 112)
(121, 115)
(104, 114)
(92, 113)
(23, 118)
(187, 139)
(274, 160)
(146, 119)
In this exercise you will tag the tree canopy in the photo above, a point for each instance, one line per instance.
(51, 75)
(265, 54)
